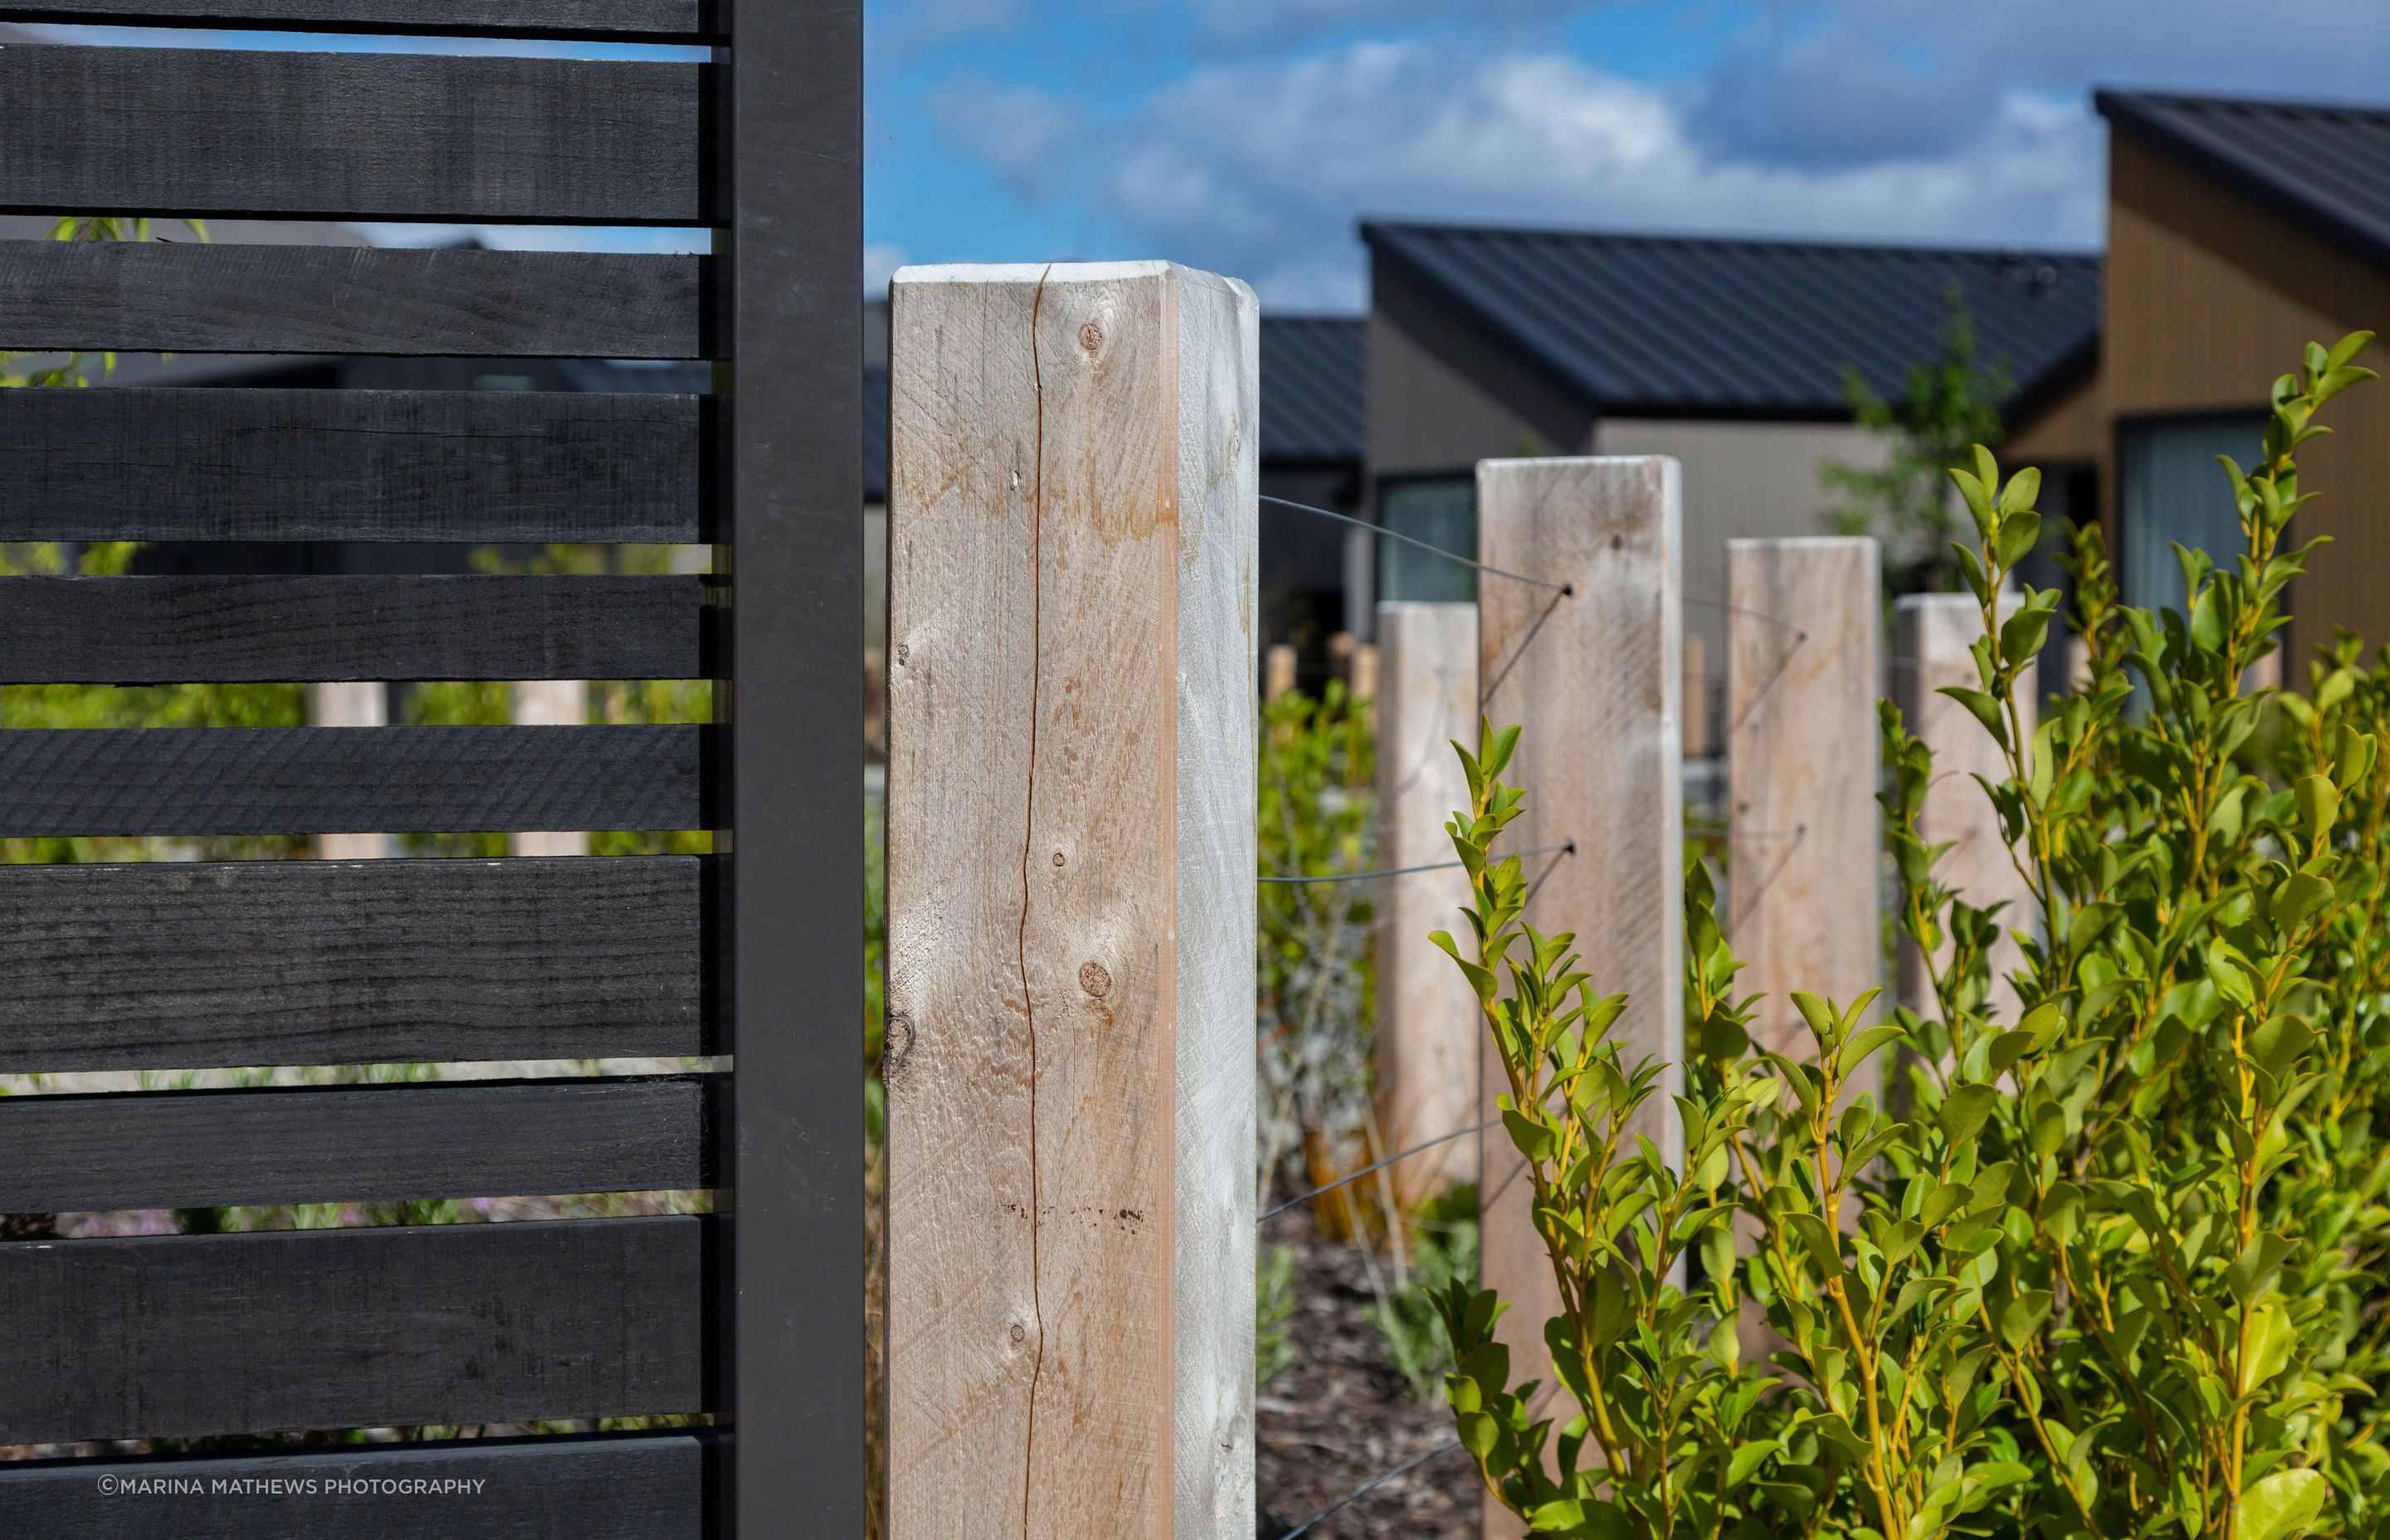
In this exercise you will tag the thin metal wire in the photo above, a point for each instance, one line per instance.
(1371, 1170)
(1341, 1503)
(1487, 695)
(1404, 871)
(1385, 533)
(1755, 615)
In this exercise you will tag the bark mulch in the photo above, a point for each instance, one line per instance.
(1338, 1416)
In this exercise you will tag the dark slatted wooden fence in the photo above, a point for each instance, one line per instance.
(191, 966)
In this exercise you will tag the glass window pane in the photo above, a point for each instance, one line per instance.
(1444, 514)
(2174, 492)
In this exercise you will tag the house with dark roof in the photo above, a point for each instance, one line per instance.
(1729, 354)
(1315, 429)
(2238, 232)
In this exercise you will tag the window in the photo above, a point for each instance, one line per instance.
(2174, 493)
(1443, 512)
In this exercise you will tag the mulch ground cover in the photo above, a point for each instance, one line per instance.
(1338, 1416)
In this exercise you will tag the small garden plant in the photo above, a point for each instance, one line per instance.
(2105, 1258)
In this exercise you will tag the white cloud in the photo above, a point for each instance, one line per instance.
(1024, 134)
(1847, 80)
(1262, 170)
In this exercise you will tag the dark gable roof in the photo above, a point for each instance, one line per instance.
(1683, 324)
(2322, 166)
(1315, 388)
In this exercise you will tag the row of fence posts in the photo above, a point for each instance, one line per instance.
(1071, 862)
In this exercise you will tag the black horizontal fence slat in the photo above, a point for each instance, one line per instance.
(603, 1486)
(187, 1149)
(177, 297)
(178, 630)
(339, 780)
(383, 466)
(190, 1335)
(251, 133)
(208, 965)
(619, 21)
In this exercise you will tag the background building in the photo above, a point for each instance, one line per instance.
(2238, 231)
(1729, 354)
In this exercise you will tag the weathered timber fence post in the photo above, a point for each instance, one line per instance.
(1428, 1021)
(1932, 636)
(1277, 672)
(1072, 556)
(549, 703)
(1595, 679)
(1802, 826)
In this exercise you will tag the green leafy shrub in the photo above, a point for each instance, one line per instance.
(2113, 1267)
(1316, 994)
(1273, 1313)
(1444, 1252)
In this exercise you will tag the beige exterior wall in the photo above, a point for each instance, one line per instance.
(1742, 481)
(2209, 298)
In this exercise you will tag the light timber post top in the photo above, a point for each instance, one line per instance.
(1073, 551)
(1595, 679)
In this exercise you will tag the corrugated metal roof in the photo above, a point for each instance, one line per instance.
(1315, 388)
(1668, 324)
(2322, 165)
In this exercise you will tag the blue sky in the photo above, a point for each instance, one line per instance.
(1248, 136)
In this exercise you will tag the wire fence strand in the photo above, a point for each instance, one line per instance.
(1385, 533)
(1725, 607)
(1395, 1159)
(1402, 871)
(1341, 1503)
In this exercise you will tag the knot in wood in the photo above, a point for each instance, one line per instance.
(1094, 979)
(1091, 337)
(899, 1044)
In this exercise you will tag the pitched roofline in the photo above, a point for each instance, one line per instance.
(2047, 386)
(1563, 372)
(2132, 112)
(1370, 228)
